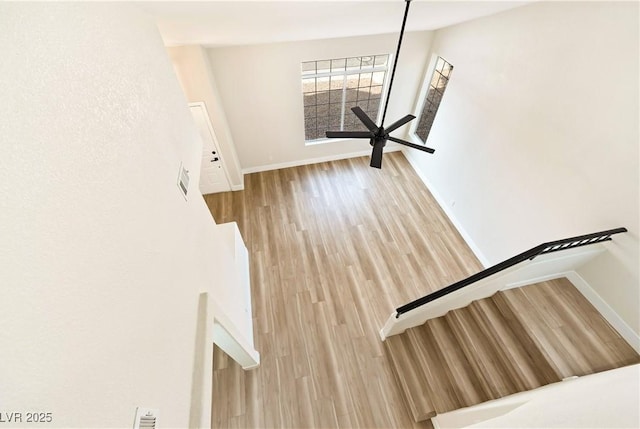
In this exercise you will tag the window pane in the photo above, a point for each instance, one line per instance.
(352, 95)
(335, 96)
(310, 112)
(309, 68)
(353, 63)
(310, 129)
(334, 123)
(367, 61)
(323, 110)
(378, 78)
(434, 96)
(323, 125)
(362, 94)
(376, 91)
(447, 69)
(338, 65)
(437, 87)
(335, 110)
(374, 105)
(323, 66)
(337, 82)
(322, 84)
(353, 80)
(309, 85)
(381, 60)
(322, 97)
(365, 80)
(434, 79)
(309, 99)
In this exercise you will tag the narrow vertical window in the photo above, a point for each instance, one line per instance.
(330, 88)
(437, 85)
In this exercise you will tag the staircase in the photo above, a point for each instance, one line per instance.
(515, 340)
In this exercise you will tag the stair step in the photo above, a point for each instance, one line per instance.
(451, 369)
(525, 365)
(521, 326)
(516, 340)
(484, 360)
(411, 376)
(566, 329)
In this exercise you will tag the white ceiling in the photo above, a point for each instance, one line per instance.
(219, 23)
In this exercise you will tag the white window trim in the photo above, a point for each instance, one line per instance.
(383, 96)
(422, 98)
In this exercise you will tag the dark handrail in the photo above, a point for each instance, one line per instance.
(552, 246)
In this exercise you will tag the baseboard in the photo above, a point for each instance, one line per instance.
(607, 312)
(445, 207)
(237, 187)
(308, 161)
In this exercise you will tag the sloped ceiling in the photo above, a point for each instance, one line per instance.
(223, 23)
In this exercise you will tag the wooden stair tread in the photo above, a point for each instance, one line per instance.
(516, 340)
(449, 363)
(548, 369)
(526, 367)
(410, 376)
(567, 328)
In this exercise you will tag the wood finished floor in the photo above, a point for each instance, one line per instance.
(334, 248)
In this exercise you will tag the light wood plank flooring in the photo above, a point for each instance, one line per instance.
(334, 247)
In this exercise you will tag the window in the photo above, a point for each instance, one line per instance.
(330, 88)
(437, 85)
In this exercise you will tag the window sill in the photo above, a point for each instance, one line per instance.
(325, 141)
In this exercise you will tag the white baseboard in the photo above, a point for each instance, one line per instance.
(308, 161)
(237, 187)
(445, 207)
(605, 309)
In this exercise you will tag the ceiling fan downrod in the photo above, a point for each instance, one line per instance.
(395, 59)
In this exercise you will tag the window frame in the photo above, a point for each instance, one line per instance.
(422, 98)
(346, 73)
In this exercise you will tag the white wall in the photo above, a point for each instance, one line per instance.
(262, 93)
(101, 258)
(537, 135)
(607, 399)
(198, 83)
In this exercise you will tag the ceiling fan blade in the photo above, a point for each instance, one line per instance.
(376, 155)
(397, 124)
(415, 146)
(349, 134)
(365, 119)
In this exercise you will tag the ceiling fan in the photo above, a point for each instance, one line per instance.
(378, 135)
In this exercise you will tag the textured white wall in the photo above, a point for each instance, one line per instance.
(537, 135)
(262, 93)
(101, 258)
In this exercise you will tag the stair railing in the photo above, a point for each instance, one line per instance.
(544, 248)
